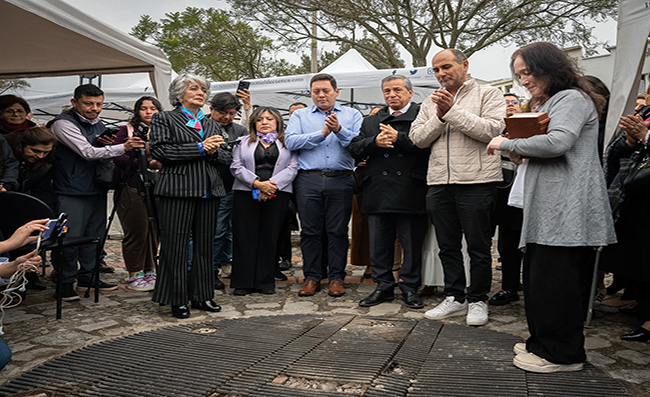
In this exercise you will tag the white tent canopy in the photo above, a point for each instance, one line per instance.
(349, 62)
(52, 38)
(631, 43)
(359, 81)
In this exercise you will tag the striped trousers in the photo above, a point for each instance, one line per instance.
(178, 216)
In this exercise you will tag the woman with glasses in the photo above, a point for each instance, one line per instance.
(14, 114)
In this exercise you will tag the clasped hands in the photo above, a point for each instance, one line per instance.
(386, 137)
(635, 129)
(331, 124)
(267, 189)
(443, 100)
(211, 144)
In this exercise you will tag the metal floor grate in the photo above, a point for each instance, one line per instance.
(303, 356)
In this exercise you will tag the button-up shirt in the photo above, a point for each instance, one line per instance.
(305, 133)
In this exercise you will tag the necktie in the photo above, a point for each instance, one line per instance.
(397, 114)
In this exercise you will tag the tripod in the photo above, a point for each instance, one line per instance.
(144, 185)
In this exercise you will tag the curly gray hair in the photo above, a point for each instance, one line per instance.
(179, 85)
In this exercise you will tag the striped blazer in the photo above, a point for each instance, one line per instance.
(185, 172)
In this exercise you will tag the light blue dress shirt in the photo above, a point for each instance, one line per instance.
(305, 133)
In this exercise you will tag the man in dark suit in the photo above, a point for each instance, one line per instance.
(394, 191)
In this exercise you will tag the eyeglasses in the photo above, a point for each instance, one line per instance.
(513, 102)
(16, 112)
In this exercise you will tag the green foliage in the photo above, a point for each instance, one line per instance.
(419, 26)
(213, 44)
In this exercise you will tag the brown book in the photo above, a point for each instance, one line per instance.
(525, 125)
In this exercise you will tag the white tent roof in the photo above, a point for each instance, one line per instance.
(52, 38)
(359, 84)
(631, 42)
(351, 61)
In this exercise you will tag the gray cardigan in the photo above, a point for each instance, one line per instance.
(565, 199)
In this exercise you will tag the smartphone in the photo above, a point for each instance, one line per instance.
(243, 85)
(51, 225)
(110, 133)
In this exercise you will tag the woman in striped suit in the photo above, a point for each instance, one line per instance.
(189, 146)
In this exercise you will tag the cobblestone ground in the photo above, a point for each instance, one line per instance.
(35, 336)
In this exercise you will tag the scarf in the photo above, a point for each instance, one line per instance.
(269, 137)
(194, 121)
(12, 127)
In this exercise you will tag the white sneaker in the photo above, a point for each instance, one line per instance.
(520, 348)
(139, 284)
(477, 313)
(532, 363)
(447, 308)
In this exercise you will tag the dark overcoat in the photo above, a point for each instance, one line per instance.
(395, 180)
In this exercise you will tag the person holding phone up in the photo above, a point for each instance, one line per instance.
(82, 140)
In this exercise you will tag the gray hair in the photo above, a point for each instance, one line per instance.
(407, 83)
(179, 85)
(458, 55)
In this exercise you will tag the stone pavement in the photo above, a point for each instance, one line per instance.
(35, 337)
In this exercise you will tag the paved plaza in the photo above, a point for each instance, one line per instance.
(37, 338)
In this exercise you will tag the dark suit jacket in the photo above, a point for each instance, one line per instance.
(395, 180)
(185, 172)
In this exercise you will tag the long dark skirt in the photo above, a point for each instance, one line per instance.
(255, 228)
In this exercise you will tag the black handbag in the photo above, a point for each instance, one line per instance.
(638, 178)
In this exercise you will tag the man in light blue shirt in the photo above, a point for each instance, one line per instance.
(325, 185)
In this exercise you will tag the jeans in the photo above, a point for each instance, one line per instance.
(222, 245)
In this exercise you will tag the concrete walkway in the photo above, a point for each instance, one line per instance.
(35, 337)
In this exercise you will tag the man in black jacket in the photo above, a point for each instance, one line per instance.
(394, 191)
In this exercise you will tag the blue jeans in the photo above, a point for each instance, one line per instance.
(222, 245)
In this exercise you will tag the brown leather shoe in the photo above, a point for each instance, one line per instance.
(336, 288)
(310, 288)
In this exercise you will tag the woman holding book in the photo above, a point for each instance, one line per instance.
(565, 204)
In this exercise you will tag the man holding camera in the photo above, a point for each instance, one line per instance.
(83, 138)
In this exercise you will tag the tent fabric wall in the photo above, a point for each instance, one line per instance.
(631, 43)
(61, 40)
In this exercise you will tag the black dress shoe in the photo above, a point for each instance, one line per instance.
(412, 300)
(208, 306)
(241, 291)
(268, 291)
(377, 297)
(640, 335)
(285, 264)
(180, 311)
(279, 275)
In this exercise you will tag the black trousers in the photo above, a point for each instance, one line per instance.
(411, 230)
(255, 230)
(511, 256)
(556, 281)
(177, 217)
(464, 209)
(324, 205)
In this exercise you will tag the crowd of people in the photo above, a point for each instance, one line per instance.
(212, 194)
